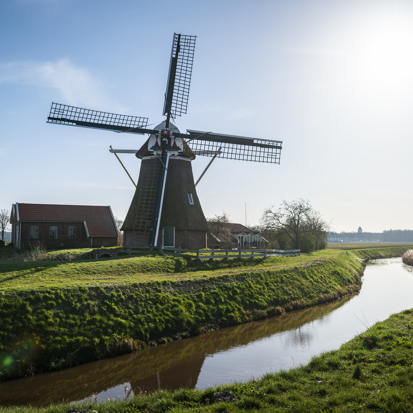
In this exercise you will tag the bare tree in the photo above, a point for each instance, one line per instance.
(318, 229)
(289, 219)
(118, 223)
(221, 231)
(296, 222)
(4, 221)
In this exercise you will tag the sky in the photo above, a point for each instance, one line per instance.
(332, 80)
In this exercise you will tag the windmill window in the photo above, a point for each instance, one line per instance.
(53, 232)
(71, 232)
(190, 199)
(34, 232)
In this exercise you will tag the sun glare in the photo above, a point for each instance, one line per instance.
(383, 55)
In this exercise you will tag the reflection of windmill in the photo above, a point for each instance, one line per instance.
(165, 208)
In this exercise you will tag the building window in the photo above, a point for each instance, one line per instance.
(190, 199)
(71, 232)
(249, 238)
(53, 232)
(34, 232)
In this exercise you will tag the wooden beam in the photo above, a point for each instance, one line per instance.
(124, 167)
(212, 160)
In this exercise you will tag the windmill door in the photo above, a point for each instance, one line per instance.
(168, 236)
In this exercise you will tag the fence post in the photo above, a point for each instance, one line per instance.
(212, 255)
(239, 253)
(265, 253)
(197, 254)
(226, 254)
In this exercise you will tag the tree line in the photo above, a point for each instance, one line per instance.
(392, 235)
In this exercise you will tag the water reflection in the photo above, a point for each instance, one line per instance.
(171, 366)
(300, 337)
(232, 354)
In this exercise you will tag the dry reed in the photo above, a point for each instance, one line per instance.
(408, 257)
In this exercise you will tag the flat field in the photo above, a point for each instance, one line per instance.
(365, 245)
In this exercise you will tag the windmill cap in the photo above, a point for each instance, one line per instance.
(145, 151)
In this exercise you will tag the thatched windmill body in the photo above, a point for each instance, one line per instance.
(182, 222)
(165, 209)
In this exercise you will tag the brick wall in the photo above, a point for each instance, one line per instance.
(135, 239)
(190, 239)
(183, 239)
(80, 241)
(104, 242)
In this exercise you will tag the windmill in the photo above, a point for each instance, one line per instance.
(165, 208)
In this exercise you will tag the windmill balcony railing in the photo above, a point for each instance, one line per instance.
(229, 253)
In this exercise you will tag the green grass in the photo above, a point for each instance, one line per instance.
(382, 252)
(372, 372)
(60, 314)
(37, 254)
(19, 275)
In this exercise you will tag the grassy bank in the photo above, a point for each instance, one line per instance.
(59, 314)
(372, 372)
(382, 252)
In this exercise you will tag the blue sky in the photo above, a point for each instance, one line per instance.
(331, 79)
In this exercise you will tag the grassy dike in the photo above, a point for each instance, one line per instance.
(382, 252)
(59, 314)
(371, 373)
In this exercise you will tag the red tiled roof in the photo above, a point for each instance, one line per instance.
(99, 219)
(235, 228)
(238, 228)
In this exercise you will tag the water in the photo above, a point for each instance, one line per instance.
(233, 354)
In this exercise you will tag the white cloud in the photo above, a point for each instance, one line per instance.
(75, 85)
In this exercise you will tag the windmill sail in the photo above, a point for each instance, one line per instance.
(74, 116)
(179, 78)
(239, 148)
